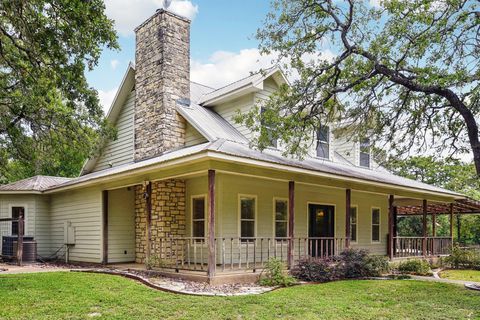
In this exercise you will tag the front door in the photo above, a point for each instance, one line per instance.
(321, 230)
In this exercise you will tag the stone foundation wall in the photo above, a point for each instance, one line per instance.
(168, 220)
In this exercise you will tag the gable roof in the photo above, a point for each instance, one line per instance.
(209, 123)
(34, 184)
(248, 84)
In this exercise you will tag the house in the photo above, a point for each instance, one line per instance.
(180, 188)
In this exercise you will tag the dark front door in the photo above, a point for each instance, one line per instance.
(321, 230)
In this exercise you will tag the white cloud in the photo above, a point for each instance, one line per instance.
(224, 67)
(106, 98)
(114, 64)
(129, 14)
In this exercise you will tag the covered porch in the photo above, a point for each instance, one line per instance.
(163, 237)
(429, 244)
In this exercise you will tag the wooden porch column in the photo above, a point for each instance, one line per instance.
(424, 229)
(148, 208)
(459, 227)
(395, 219)
(21, 231)
(391, 198)
(105, 226)
(348, 206)
(211, 224)
(291, 222)
(451, 222)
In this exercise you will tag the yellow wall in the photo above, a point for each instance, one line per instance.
(229, 187)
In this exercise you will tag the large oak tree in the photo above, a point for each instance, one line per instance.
(405, 73)
(50, 119)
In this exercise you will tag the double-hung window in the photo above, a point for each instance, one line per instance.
(16, 212)
(323, 142)
(281, 218)
(267, 130)
(365, 153)
(353, 224)
(198, 217)
(247, 217)
(375, 225)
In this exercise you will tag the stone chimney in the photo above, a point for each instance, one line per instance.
(162, 77)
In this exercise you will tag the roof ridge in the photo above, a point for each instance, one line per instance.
(253, 74)
(203, 85)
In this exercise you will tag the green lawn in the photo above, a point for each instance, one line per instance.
(63, 295)
(467, 275)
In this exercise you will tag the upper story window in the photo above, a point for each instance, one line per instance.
(268, 130)
(365, 153)
(323, 142)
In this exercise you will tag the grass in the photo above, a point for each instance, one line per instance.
(61, 295)
(467, 275)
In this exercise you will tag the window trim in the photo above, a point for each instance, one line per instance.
(25, 215)
(197, 196)
(356, 230)
(360, 152)
(275, 199)
(379, 225)
(239, 213)
(318, 141)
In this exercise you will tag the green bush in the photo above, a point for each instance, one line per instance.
(463, 259)
(274, 274)
(415, 266)
(350, 264)
(315, 270)
(353, 263)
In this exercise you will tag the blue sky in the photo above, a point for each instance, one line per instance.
(223, 47)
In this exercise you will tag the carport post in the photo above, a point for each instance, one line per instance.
(424, 220)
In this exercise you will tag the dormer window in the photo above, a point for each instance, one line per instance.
(323, 142)
(272, 142)
(365, 153)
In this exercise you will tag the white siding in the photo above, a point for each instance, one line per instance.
(83, 208)
(192, 136)
(121, 150)
(347, 149)
(230, 109)
(42, 226)
(121, 225)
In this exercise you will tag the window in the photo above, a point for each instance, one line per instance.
(272, 142)
(365, 153)
(16, 212)
(247, 217)
(353, 224)
(323, 145)
(281, 218)
(375, 225)
(198, 217)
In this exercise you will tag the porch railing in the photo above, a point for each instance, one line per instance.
(233, 253)
(414, 246)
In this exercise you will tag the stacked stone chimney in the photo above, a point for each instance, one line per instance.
(162, 77)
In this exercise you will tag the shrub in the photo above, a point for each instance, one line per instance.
(350, 264)
(463, 259)
(275, 275)
(353, 263)
(315, 270)
(415, 266)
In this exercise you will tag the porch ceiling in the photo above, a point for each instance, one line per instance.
(460, 206)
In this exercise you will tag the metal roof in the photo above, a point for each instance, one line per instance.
(209, 123)
(242, 151)
(36, 183)
(197, 91)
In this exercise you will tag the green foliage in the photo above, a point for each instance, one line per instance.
(415, 266)
(353, 263)
(445, 173)
(462, 258)
(50, 118)
(350, 264)
(358, 64)
(274, 274)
